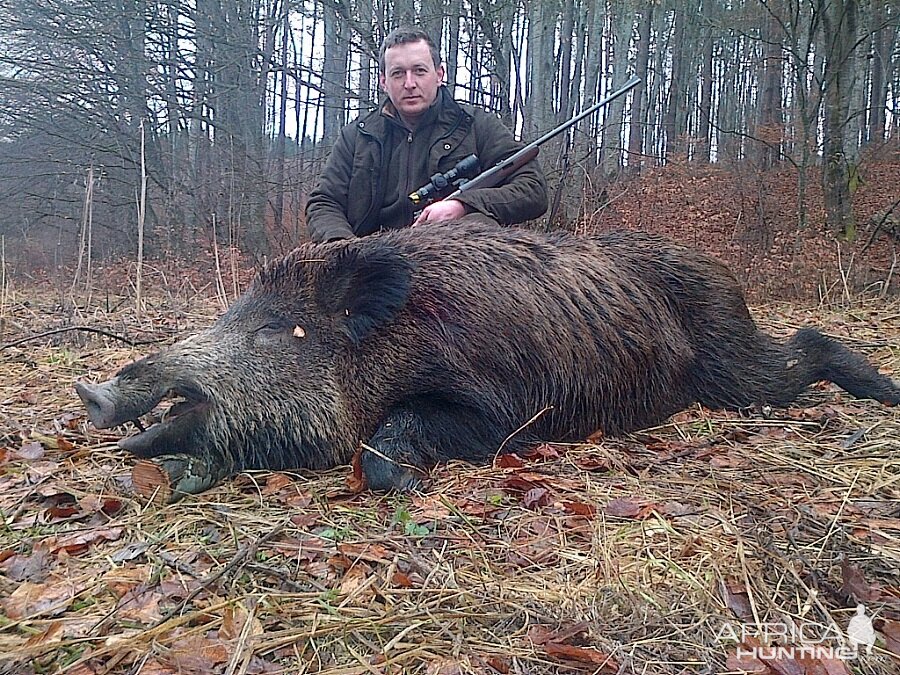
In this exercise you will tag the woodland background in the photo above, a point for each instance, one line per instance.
(765, 130)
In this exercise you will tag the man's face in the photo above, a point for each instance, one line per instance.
(410, 79)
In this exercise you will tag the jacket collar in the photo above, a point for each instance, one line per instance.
(444, 111)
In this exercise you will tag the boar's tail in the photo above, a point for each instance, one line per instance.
(824, 358)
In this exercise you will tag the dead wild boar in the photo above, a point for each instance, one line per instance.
(444, 341)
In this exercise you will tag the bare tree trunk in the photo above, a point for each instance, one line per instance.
(769, 128)
(432, 19)
(839, 36)
(451, 57)
(581, 38)
(612, 141)
(281, 144)
(704, 128)
(541, 32)
(201, 187)
(497, 27)
(639, 100)
(564, 59)
(801, 28)
(404, 13)
(334, 73)
(368, 85)
(881, 58)
(675, 95)
(727, 115)
(587, 149)
(655, 140)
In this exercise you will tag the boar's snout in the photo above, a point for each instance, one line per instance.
(98, 401)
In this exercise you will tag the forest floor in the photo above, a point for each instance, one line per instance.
(686, 548)
(668, 551)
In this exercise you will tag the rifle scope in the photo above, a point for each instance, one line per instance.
(440, 181)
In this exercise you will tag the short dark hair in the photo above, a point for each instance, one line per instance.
(404, 35)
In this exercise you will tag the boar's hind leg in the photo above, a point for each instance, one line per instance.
(751, 368)
(420, 433)
(829, 360)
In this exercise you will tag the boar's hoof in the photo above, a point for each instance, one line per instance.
(179, 475)
(386, 475)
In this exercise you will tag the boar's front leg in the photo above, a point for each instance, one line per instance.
(418, 434)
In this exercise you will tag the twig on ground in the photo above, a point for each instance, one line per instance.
(239, 559)
(86, 329)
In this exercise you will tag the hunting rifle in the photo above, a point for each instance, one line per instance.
(498, 173)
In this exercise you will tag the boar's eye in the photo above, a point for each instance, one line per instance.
(272, 328)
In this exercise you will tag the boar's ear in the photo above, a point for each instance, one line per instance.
(364, 289)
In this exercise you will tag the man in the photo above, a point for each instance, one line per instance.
(418, 131)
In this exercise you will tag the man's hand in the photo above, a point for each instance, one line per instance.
(449, 209)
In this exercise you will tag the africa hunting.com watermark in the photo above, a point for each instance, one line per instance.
(792, 640)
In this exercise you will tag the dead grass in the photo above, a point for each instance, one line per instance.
(627, 555)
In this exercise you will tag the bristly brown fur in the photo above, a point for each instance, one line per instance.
(444, 341)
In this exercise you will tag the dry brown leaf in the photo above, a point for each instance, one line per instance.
(233, 619)
(154, 667)
(31, 599)
(541, 634)
(854, 583)
(198, 655)
(593, 463)
(827, 667)
(582, 655)
(365, 550)
(891, 631)
(402, 580)
(121, 580)
(356, 480)
(746, 664)
(298, 499)
(95, 503)
(509, 461)
(536, 497)
(596, 437)
(429, 507)
(304, 521)
(79, 542)
(356, 582)
(580, 509)
(735, 597)
(499, 663)
(544, 451)
(276, 483)
(53, 633)
(34, 567)
(140, 604)
(30, 450)
(630, 507)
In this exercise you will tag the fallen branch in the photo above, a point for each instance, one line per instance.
(244, 554)
(884, 219)
(86, 329)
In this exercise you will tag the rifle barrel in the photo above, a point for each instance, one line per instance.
(628, 86)
(530, 151)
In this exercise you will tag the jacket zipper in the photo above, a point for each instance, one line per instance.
(376, 191)
(409, 188)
